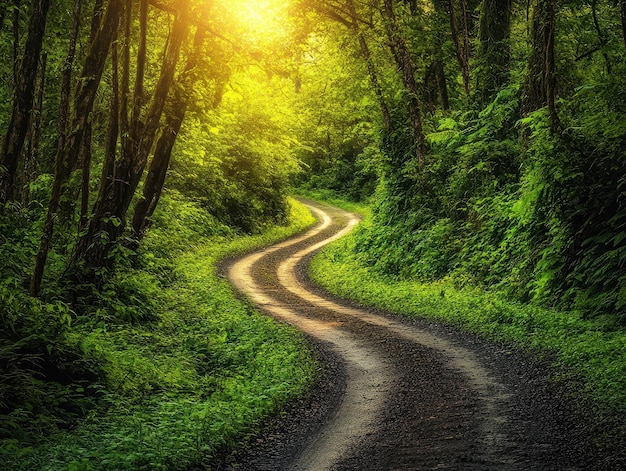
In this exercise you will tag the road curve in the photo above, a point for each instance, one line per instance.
(415, 397)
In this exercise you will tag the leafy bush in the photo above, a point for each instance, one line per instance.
(509, 204)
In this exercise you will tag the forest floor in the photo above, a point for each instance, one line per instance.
(403, 394)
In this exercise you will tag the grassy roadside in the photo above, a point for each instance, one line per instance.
(199, 377)
(590, 352)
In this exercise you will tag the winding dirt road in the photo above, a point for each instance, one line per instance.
(400, 394)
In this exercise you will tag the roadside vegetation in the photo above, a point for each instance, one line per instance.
(193, 370)
(587, 356)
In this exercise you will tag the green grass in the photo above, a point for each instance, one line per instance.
(201, 377)
(331, 197)
(591, 351)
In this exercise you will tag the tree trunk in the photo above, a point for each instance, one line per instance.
(31, 156)
(435, 86)
(108, 167)
(461, 46)
(111, 209)
(494, 50)
(67, 207)
(66, 80)
(22, 99)
(550, 79)
(86, 151)
(541, 82)
(602, 39)
(89, 82)
(405, 66)
(17, 4)
(168, 69)
(157, 171)
(371, 68)
(159, 164)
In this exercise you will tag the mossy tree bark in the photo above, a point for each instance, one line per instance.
(23, 97)
(137, 138)
(66, 157)
(494, 51)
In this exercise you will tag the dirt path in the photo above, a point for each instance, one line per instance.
(399, 394)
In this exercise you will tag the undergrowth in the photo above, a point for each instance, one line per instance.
(592, 351)
(195, 377)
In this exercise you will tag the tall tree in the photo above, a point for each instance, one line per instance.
(435, 83)
(175, 116)
(22, 99)
(461, 40)
(31, 154)
(86, 151)
(138, 134)
(404, 63)
(17, 13)
(494, 51)
(353, 22)
(541, 82)
(66, 157)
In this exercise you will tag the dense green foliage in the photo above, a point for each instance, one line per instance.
(520, 186)
(159, 394)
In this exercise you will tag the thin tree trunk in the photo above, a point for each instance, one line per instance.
(168, 69)
(66, 80)
(67, 207)
(407, 71)
(157, 171)
(550, 79)
(96, 19)
(461, 47)
(371, 68)
(108, 167)
(110, 211)
(23, 99)
(601, 35)
(541, 82)
(442, 84)
(86, 151)
(495, 52)
(16, 39)
(89, 82)
(159, 164)
(31, 156)
(436, 72)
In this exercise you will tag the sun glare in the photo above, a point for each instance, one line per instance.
(264, 20)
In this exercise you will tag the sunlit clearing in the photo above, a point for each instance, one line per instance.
(263, 20)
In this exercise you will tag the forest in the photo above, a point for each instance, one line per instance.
(142, 141)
